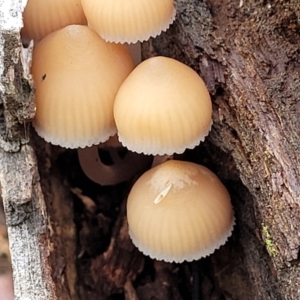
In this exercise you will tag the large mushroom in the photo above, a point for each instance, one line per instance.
(163, 107)
(77, 75)
(179, 211)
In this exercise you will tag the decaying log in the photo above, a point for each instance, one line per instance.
(248, 52)
(68, 236)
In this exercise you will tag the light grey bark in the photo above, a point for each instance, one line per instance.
(22, 196)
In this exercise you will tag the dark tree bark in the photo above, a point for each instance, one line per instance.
(75, 245)
(248, 52)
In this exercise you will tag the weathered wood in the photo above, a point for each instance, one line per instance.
(59, 206)
(89, 228)
(21, 192)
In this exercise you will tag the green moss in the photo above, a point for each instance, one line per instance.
(271, 248)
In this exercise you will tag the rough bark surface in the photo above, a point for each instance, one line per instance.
(75, 245)
(23, 200)
(248, 52)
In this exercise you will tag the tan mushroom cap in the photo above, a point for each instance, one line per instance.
(179, 211)
(42, 17)
(77, 75)
(163, 107)
(129, 20)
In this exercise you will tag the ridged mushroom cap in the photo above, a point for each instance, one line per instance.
(179, 211)
(163, 107)
(129, 20)
(42, 17)
(77, 75)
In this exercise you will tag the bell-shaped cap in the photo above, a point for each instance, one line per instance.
(179, 211)
(77, 75)
(163, 107)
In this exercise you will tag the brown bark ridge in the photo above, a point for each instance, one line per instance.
(248, 53)
(23, 200)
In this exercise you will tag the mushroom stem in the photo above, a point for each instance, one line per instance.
(135, 51)
(159, 159)
(121, 164)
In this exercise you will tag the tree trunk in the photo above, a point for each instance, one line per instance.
(68, 236)
(249, 55)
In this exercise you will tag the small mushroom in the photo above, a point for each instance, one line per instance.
(77, 75)
(128, 20)
(42, 17)
(110, 163)
(163, 107)
(179, 211)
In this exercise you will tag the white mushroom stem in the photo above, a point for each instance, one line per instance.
(159, 159)
(121, 169)
(135, 51)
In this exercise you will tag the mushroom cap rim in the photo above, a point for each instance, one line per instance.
(142, 38)
(180, 150)
(73, 144)
(191, 256)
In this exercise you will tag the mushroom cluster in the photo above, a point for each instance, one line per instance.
(88, 89)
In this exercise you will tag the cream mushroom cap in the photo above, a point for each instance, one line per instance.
(163, 107)
(179, 211)
(42, 17)
(129, 20)
(77, 75)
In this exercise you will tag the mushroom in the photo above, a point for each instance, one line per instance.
(162, 107)
(42, 17)
(111, 163)
(129, 21)
(179, 211)
(77, 75)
